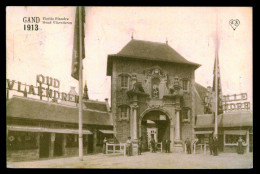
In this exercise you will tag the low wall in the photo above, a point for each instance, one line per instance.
(22, 155)
(73, 151)
(233, 149)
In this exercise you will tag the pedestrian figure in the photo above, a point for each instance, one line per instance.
(104, 145)
(129, 146)
(240, 148)
(215, 146)
(188, 145)
(167, 145)
(140, 144)
(211, 145)
(152, 144)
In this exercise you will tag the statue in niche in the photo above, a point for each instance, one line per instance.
(155, 92)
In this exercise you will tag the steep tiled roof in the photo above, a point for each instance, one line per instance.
(231, 119)
(138, 49)
(95, 105)
(202, 91)
(26, 108)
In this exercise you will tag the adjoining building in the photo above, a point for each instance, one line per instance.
(231, 126)
(41, 129)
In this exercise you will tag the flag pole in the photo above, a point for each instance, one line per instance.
(80, 87)
(216, 82)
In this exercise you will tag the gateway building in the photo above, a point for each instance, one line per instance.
(154, 94)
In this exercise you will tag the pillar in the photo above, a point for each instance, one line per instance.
(178, 146)
(64, 141)
(51, 152)
(95, 141)
(177, 126)
(247, 141)
(172, 133)
(38, 142)
(135, 129)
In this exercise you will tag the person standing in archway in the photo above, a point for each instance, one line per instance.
(140, 144)
(152, 144)
(167, 145)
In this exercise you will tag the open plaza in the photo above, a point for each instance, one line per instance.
(145, 161)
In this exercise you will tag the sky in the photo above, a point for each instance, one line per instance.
(191, 31)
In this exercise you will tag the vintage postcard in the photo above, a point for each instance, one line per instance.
(129, 87)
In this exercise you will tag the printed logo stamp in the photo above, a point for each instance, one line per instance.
(234, 23)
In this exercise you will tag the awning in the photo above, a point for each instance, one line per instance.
(41, 129)
(235, 132)
(203, 132)
(107, 131)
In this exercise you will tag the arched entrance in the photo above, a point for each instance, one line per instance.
(154, 123)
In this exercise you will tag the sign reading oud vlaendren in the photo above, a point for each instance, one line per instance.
(49, 81)
(40, 90)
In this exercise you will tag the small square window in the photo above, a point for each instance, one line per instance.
(124, 112)
(185, 114)
(124, 81)
(185, 86)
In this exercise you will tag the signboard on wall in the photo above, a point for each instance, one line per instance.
(238, 102)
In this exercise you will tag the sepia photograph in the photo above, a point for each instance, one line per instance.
(129, 87)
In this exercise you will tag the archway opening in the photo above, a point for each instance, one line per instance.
(155, 124)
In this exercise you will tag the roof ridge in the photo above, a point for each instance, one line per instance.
(41, 101)
(149, 41)
(95, 101)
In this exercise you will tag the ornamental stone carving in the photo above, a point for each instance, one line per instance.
(155, 72)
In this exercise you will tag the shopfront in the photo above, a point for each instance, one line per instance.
(39, 129)
(231, 126)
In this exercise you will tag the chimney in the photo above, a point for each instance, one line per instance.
(107, 105)
(73, 90)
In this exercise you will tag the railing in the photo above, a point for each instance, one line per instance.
(194, 146)
(160, 146)
(203, 148)
(115, 149)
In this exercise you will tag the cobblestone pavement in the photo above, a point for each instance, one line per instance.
(146, 160)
